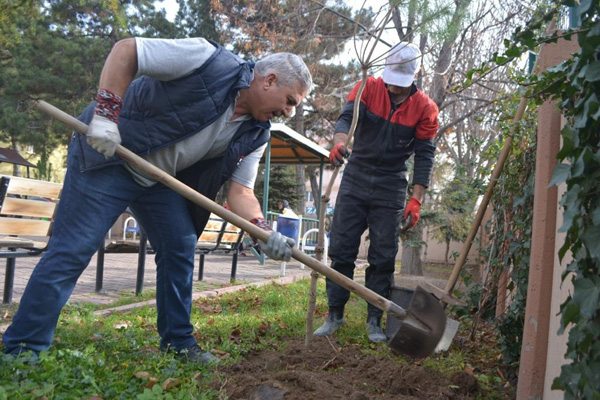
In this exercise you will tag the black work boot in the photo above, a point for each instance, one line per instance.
(194, 354)
(374, 329)
(335, 319)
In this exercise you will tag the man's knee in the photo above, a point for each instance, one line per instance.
(179, 245)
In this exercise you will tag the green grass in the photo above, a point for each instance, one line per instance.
(116, 357)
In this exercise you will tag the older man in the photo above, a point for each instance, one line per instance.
(198, 112)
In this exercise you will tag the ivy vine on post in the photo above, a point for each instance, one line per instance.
(579, 168)
(575, 85)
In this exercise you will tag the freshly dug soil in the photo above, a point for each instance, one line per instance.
(328, 371)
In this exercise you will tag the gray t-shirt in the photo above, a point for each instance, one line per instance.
(168, 59)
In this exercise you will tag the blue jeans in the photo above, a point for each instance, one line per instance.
(90, 204)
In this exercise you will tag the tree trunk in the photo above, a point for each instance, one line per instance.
(411, 253)
(425, 246)
(314, 188)
(411, 261)
(300, 189)
(15, 147)
(300, 175)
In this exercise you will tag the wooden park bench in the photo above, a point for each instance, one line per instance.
(218, 237)
(27, 209)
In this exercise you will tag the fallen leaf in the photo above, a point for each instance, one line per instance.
(142, 375)
(170, 383)
(219, 353)
(264, 328)
(151, 382)
(500, 374)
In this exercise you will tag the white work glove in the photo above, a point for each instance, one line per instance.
(278, 247)
(103, 135)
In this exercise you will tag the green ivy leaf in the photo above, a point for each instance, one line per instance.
(596, 216)
(591, 104)
(513, 52)
(593, 72)
(560, 174)
(596, 116)
(570, 314)
(578, 168)
(586, 295)
(584, 5)
(590, 239)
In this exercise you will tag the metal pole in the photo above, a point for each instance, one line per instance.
(266, 190)
(139, 283)
(318, 203)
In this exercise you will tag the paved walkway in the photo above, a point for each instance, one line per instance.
(120, 276)
(120, 273)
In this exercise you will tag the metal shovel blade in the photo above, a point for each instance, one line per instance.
(409, 338)
(449, 333)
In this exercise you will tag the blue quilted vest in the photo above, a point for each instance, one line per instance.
(157, 114)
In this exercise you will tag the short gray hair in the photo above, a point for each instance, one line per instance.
(290, 70)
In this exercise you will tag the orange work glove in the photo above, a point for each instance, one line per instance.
(413, 208)
(337, 154)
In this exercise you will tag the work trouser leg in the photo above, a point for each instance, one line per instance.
(164, 215)
(349, 223)
(384, 229)
(90, 204)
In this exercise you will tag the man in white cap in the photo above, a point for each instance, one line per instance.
(396, 120)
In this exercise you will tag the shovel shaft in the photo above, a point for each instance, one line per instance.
(254, 231)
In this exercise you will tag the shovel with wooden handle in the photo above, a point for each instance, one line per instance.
(422, 323)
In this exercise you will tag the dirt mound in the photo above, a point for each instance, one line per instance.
(327, 371)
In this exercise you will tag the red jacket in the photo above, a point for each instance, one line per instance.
(386, 138)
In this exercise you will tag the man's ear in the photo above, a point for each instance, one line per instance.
(270, 79)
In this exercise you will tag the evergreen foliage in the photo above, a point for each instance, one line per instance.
(456, 205)
(58, 56)
(282, 186)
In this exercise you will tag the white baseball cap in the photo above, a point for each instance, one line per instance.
(401, 64)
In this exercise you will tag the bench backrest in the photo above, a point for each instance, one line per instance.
(219, 235)
(27, 206)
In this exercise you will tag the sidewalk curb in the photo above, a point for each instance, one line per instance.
(209, 293)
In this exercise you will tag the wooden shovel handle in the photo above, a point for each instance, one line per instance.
(254, 231)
